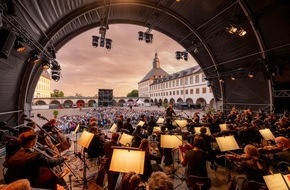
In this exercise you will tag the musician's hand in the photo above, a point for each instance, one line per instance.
(59, 187)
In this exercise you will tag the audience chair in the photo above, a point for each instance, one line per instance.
(254, 185)
(198, 183)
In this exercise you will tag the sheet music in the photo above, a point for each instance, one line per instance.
(160, 120)
(267, 134)
(275, 182)
(227, 143)
(141, 123)
(223, 127)
(113, 128)
(287, 179)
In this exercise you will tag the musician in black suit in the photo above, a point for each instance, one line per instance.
(170, 112)
(27, 163)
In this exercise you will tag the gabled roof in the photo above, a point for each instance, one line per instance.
(156, 71)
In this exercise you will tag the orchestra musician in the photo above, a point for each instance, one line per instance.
(170, 111)
(27, 163)
(56, 140)
(284, 145)
(195, 159)
(250, 165)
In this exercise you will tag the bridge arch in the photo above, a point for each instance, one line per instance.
(40, 102)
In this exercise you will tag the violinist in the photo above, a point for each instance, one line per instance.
(284, 145)
(27, 163)
(251, 166)
(195, 159)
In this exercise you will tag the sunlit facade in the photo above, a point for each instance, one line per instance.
(186, 86)
(42, 89)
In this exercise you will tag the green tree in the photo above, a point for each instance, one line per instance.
(133, 93)
(57, 93)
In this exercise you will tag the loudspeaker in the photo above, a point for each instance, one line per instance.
(7, 40)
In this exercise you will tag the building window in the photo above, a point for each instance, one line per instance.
(173, 92)
(197, 91)
(186, 91)
(191, 80)
(181, 81)
(181, 92)
(186, 81)
(191, 91)
(173, 83)
(204, 90)
(177, 92)
(177, 82)
(210, 90)
(169, 84)
(196, 78)
(203, 77)
(170, 93)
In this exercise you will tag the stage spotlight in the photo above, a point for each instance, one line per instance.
(108, 44)
(233, 77)
(231, 29)
(19, 46)
(102, 42)
(241, 32)
(185, 56)
(148, 38)
(140, 36)
(95, 41)
(251, 74)
(55, 75)
(45, 65)
(178, 55)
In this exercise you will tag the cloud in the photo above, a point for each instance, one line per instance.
(86, 69)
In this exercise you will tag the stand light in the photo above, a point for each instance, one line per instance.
(197, 130)
(181, 55)
(84, 141)
(127, 160)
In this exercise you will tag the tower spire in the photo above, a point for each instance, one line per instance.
(156, 62)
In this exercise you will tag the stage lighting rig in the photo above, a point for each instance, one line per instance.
(146, 36)
(181, 55)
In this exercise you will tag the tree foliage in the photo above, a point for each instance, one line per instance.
(133, 93)
(57, 93)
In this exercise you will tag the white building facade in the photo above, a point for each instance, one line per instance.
(186, 86)
(42, 89)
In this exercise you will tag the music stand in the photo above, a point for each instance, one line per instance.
(126, 139)
(227, 143)
(181, 123)
(277, 181)
(84, 141)
(172, 141)
(113, 128)
(141, 123)
(223, 127)
(126, 159)
(267, 134)
(160, 120)
(75, 132)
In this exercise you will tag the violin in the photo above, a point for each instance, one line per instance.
(235, 157)
(269, 150)
(185, 147)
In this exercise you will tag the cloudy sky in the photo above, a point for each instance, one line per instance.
(86, 69)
